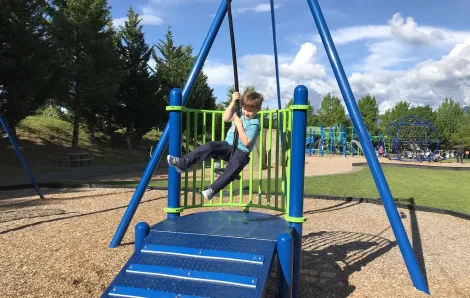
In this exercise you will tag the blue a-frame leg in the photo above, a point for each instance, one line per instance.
(369, 152)
(18, 152)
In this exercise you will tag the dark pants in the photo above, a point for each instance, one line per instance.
(459, 157)
(218, 150)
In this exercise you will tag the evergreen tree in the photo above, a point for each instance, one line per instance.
(25, 59)
(173, 65)
(86, 56)
(331, 112)
(370, 112)
(136, 100)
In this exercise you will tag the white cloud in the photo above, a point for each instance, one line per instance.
(409, 32)
(384, 54)
(399, 29)
(259, 70)
(428, 82)
(218, 73)
(264, 7)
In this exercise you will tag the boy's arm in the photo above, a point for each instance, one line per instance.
(242, 134)
(230, 111)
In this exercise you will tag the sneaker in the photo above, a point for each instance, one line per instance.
(174, 162)
(208, 193)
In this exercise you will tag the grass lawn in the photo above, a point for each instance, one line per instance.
(41, 140)
(431, 188)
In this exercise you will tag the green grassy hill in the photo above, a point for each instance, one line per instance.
(42, 140)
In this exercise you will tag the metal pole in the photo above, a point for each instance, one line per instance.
(285, 255)
(20, 156)
(297, 171)
(379, 178)
(174, 178)
(160, 148)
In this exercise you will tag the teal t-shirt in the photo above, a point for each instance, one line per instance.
(252, 129)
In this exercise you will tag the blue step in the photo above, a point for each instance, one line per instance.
(180, 262)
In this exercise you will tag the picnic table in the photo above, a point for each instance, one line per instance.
(79, 157)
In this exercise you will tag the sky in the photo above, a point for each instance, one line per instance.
(418, 51)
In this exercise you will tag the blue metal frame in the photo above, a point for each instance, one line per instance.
(379, 178)
(174, 178)
(285, 252)
(20, 156)
(297, 170)
(144, 181)
(417, 122)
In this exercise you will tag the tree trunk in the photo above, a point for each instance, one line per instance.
(128, 141)
(91, 133)
(76, 126)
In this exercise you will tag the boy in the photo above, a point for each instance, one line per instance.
(248, 127)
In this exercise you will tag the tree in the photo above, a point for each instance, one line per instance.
(230, 91)
(25, 59)
(424, 112)
(312, 119)
(86, 80)
(331, 112)
(173, 65)
(370, 112)
(462, 134)
(448, 118)
(137, 105)
(399, 111)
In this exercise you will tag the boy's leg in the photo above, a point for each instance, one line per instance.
(218, 150)
(239, 160)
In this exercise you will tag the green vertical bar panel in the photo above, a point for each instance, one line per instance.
(276, 171)
(250, 188)
(203, 169)
(186, 174)
(194, 168)
(283, 161)
(221, 138)
(269, 149)
(212, 139)
(289, 155)
(260, 162)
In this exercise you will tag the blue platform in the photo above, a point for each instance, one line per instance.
(205, 254)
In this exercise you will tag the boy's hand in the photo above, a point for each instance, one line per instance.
(237, 121)
(235, 96)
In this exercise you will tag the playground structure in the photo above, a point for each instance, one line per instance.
(414, 139)
(340, 140)
(231, 253)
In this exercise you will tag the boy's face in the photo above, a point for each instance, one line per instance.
(249, 112)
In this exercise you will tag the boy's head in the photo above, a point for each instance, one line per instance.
(251, 104)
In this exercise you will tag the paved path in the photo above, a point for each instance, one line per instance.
(78, 173)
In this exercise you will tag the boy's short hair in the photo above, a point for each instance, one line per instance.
(252, 100)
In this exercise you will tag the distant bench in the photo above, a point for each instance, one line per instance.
(75, 159)
(81, 161)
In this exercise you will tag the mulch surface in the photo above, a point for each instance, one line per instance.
(58, 247)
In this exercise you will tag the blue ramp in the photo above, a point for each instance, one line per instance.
(206, 254)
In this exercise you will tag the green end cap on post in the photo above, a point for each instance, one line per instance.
(174, 108)
(173, 210)
(299, 107)
(295, 219)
